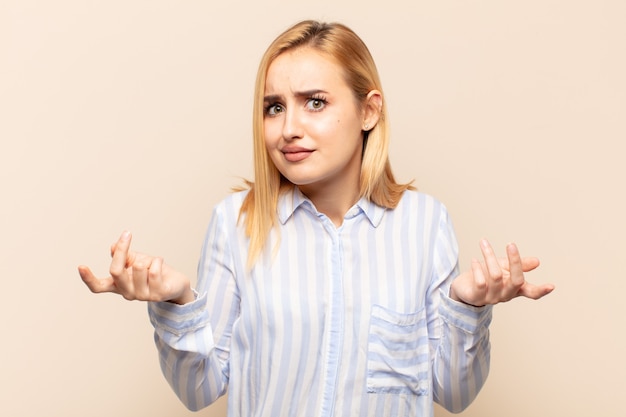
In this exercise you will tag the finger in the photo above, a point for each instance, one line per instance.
(535, 292)
(119, 265)
(140, 277)
(155, 274)
(479, 276)
(515, 265)
(120, 254)
(479, 293)
(96, 285)
(130, 257)
(529, 263)
(491, 261)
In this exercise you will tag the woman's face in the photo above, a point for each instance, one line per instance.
(313, 123)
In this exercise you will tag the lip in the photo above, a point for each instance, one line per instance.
(296, 153)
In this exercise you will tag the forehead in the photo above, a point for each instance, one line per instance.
(303, 69)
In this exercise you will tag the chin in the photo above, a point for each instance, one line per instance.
(300, 181)
(299, 178)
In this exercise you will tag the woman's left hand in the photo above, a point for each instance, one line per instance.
(496, 280)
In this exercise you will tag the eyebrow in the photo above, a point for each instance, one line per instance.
(300, 94)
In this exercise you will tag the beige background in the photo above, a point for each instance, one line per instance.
(136, 114)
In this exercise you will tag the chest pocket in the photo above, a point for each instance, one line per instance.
(398, 353)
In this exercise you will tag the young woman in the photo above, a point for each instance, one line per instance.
(326, 288)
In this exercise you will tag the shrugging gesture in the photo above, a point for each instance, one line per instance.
(137, 276)
(497, 280)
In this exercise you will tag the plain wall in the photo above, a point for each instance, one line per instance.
(136, 115)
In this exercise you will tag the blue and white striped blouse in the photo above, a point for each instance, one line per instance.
(347, 321)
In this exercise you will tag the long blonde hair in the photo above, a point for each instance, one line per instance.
(377, 182)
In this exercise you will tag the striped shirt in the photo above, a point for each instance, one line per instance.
(337, 321)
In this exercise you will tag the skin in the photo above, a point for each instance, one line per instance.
(137, 276)
(313, 130)
(314, 127)
(496, 280)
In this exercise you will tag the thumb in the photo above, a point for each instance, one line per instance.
(535, 292)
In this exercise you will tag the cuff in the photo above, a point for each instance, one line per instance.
(466, 317)
(179, 319)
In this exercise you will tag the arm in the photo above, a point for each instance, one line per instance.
(193, 340)
(458, 333)
(183, 333)
(459, 323)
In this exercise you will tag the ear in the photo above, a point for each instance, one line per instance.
(372, 109)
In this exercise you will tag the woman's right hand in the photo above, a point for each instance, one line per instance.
(137, 276)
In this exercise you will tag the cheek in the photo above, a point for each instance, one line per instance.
(270, 134)
(347, 131)
(328, 129)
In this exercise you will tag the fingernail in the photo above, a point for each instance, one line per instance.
(125, 235)
(484, 243)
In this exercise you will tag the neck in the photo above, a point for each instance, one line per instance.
(334, 202)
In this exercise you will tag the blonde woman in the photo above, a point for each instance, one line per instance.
(325, 288)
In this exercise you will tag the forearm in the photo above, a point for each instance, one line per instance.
(187, 353)
(461, 362)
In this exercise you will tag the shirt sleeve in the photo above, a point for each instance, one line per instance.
(459, 333)
(190, 339)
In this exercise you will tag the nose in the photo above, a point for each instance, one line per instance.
(292, 125)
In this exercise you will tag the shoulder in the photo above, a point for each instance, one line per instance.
(422, 211)
(233, 200)
(416, 201)
(425, 213)
(230, 206)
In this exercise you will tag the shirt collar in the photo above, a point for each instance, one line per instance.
(289, 201)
